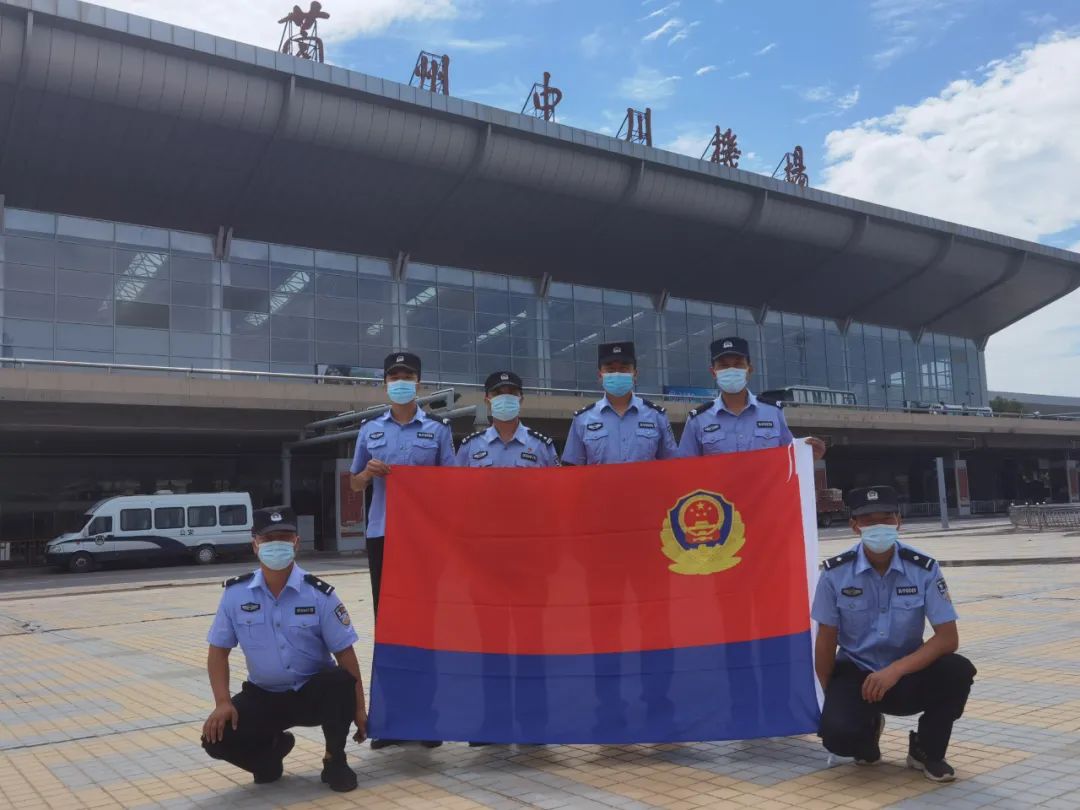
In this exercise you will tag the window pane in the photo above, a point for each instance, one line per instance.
(198, 271)
(285, 326)
(457, 320)
(193, 295)
(142, 341)
(292, 280)
(241, 299)
(247, 348)
(29, 305)
(171, 517)
(89, 285)
(188, 344)
(336, 309)
(37, 334)
(102, 524)
(29, 251)
(196, 320)
(134, 520)
(370, 289)
(201, 516)
(292, 351)
(142, 264)
(375, 311)
(246, 275)
(333, 284)
(136, 313)
(79, 336)
(336, 331)
(232, 515)
(84, 310)
(455, 298)
(27, 278)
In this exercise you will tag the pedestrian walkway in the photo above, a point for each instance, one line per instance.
(104, 694)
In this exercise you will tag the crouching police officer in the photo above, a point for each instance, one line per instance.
(287, 622)
(507, 443)
(873, 601)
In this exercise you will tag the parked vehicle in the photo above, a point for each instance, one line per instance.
(830, 507)
(150, 528)
(978, 410)
(810, 395)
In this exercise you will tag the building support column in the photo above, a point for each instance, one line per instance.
(963, 487)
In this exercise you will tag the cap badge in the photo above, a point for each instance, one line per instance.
(400, 358)
(871, 495)
(728, 344)
(276, 517)
(504, 376)
(616, 350)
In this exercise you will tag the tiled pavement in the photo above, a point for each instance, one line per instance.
(103, 691)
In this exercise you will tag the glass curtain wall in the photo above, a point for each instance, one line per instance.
(80, 289)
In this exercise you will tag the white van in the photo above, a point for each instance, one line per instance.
(199, 526)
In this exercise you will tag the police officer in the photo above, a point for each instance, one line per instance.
(507, 443)
(621, 426)
(288, 623)
(736, 420)
(404, 435)
(873, 601)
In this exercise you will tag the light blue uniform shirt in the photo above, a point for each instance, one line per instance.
(712, 429)
(598, 435)
(285, 640)
(880, 619)
(526, 448)
(423, 442)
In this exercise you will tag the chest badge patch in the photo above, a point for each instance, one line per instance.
(764, 423)
(250, 607)
(851, 591)
(479, 454)
(907, 590)
(377, 435)
(711, 428)
(308, 610)
(594, 426)
(646, 425)
(702, 533)
(423, 434)
(342, 615)
(529, 456)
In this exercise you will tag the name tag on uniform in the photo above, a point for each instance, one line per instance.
(421, 434)
(250, 607)
(305, 611)
(852, 591)
(646, 425)
(594, 426)
(907, 590)
(711, 428)
(479, 454)
(529, 456)
(377, 435)
(764, 424)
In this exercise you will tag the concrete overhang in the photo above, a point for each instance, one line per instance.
(104, 114)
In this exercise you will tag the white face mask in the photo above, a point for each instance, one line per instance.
(731, 380)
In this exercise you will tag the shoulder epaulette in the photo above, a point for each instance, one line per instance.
(768, 400)
(318, 584)
(580, 411)
(471, 436)
(654, 406)
(445, 422)
(917, 557)
(536, 434)
(840, 559)
(235, 580)
(700, 409)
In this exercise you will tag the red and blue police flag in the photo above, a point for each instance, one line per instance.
(658, 602)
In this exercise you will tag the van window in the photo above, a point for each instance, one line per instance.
(233, 515)
(170, 517)
(201, 516)
(102, 524)
(134, 520)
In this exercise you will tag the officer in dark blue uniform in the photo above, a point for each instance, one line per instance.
(621, 426)
(873, 602)
(507, 443)
(736, 420)
(288, 624)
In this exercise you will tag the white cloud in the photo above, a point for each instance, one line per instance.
(690, 141)
(744, 75)
(996, 152)
(591, 45)
(848, 100)
(648, 86)
(908, 24)
(255, 21)
(661, 12)
(819, 93)
(667, 27)
(765, 50)
(1041, 20)
(481, 45)
(701, 71)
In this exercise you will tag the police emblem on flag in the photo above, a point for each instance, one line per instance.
(702, 534)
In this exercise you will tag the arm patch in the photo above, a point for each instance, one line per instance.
(917, 557)
(318, 584)
(236, 580)
(840, 559)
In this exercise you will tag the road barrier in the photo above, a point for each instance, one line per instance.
(1045, 516)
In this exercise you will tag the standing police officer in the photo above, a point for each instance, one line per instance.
(874, 601)
(507, 443)
(736, 420)
(405, 435)
(287, 622)
(621, 426)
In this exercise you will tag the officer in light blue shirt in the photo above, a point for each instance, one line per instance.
(507, 443)
(873, 601)
(736, 420)
(620, 427)
(288, 623)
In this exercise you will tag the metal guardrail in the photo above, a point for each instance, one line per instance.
(998, 506)
(1045, 516)
(21, 553)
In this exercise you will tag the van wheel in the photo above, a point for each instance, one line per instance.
(204, 555)
(81, 563)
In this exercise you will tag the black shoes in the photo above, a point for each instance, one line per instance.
(873, 756)
(939, 771)
(377, 744)
(338, 775)
(430, 743)
(282, 746)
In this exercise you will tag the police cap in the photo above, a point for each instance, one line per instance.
(273, 519)
(864, 500)
(405, 360)
(610, 352)
(729, 345)
(497, 378)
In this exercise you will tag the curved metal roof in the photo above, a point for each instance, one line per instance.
(109, 115)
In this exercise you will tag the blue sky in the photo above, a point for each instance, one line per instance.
(958, 109)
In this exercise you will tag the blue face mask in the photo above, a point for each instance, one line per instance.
(618, 383)
(505, 407)
(401, 392)
(880, 538)
(276, 554)
(731, 380)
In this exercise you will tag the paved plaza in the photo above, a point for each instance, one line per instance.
(105, 690)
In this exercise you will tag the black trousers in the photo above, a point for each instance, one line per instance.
(849, 724)
(327, 699)
(375, 558)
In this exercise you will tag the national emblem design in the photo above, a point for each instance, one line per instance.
(702, 534)
(276, 517)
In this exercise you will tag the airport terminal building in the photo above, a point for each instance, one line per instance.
(172, 199)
